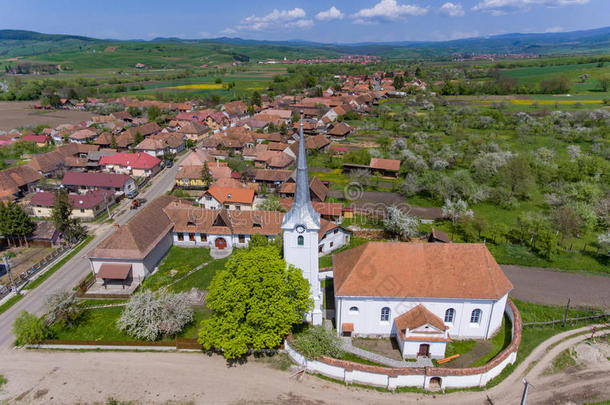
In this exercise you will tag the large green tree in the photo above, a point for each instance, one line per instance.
(256, 300)
(15, 222)
(70, 228)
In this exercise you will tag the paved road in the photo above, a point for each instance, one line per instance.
(544, 286)
(76, 268)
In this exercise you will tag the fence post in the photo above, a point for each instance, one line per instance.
(565, 316)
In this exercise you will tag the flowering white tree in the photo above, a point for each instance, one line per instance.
(149, 315)
(399, 223)
(62, 307)
(456, 210)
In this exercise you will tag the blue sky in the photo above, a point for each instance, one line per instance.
(335, 21)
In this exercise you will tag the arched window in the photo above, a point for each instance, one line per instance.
(385, 314)
(353, 310)
(300, 240)
(449, 315)
(475, 316)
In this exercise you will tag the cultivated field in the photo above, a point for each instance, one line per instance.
(15, 114)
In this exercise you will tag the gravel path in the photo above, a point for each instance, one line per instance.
(544, 286)
(62, 377)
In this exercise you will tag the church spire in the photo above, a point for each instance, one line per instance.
(302, 212)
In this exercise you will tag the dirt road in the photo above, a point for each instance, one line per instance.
(544, 286)
(86, 377)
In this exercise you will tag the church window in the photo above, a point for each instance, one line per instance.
(353, 310)
(385, 314)
(449, 315)
(475, 316)
(300, 240)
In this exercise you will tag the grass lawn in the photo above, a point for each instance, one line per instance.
(96, 324)
(100, 324)
(9, 303)
(181, 259)
(327, 261)
(201, 278)
(564, 260)
(97, 302)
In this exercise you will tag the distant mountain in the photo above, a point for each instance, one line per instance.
(33, 44)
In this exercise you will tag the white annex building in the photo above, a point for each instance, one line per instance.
(423, 294)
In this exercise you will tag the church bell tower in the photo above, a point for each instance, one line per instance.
(301, 225)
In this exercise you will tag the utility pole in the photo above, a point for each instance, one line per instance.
(525, 390)
(10, 275)
(565, 316)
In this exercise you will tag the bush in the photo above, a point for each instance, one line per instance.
(29, 329)
(149, 315)
(317, 341)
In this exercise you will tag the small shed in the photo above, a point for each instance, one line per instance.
(437, 236)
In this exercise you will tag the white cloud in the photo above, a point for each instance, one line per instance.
(302, 23)
(554, 29)
(499, 7)
(331, 14)
(228, 31)
(452, 9)
(387, 10)
(276, 18)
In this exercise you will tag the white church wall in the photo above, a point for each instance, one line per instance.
(367, 320)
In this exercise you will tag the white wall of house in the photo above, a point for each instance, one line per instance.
(153, 152)
(333, 240)
(367, 320)
(210, 203)
(140, 269)
(208, 240)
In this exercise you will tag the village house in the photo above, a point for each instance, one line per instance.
(229, 198)
(236, 109)
(85, 182)
(317, 189)
(134, 164)
(332, 236)
(84, 206)
(15, 182)
(423, 294)
(39, 140)
(327, 210)
(386, 167)
(83, 136)
(161, 144)
(271, 179)
(339, 131)
(53, 164)
(269, 159)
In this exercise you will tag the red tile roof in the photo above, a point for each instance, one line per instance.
(91, 179)
(435, 270)
(88, 200)
(385, 164)
(229, 194)
(134, 160)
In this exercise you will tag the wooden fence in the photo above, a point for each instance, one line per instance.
(563, 321)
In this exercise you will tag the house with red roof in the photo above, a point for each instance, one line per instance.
(229, 198)
(84, 206)
(134, 164)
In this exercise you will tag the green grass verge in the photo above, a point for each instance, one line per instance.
(59, 264)
(9, 303)
(563, 360)
(2, 380)
(200, 279)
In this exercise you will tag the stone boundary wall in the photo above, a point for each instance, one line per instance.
(392, 378)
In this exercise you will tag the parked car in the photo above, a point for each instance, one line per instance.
(132, 194)
(169, 163)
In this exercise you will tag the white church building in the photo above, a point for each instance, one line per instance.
(423, 294)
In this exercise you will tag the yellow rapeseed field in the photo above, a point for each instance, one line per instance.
(203, 86)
